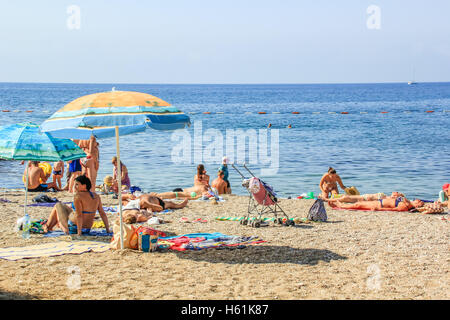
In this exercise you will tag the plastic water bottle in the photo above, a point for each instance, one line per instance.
(26, 226)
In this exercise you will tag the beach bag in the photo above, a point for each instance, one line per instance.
(317, 211)
(130, 240)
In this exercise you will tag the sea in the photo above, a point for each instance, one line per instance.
(379, 137)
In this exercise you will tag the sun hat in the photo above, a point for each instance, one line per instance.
(225, 160)
(445, 186)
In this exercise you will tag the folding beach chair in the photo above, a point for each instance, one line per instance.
(262, 200)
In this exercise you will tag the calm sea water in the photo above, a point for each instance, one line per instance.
(406, 149)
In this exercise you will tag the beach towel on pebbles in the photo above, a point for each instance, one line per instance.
(52, 249)
(199, 241)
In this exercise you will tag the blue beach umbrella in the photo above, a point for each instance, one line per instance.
(24, 141)
(114, 113)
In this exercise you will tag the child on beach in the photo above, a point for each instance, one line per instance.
(224, 169)
(58, 172)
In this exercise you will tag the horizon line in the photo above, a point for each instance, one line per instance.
(224, 83)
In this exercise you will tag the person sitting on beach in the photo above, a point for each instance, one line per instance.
(220, 184)
(82, 212)
(201, 187)
(386, 204)
(125, 179)
(37, 179)
(328, 183)
(107, 186)
(58, 172)
(224, 168)
(201, 179)
(149, 201)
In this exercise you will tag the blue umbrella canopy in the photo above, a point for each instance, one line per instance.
(24, 141)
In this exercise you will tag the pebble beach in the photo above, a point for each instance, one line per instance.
(354, 255)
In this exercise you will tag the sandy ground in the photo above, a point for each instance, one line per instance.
(355, 255)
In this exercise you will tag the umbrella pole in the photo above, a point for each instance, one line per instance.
(26, 190)
(119, 186)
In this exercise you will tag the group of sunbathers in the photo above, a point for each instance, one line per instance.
(137, 207)
(378, 201)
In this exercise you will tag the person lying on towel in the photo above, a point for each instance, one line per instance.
(365, 197)
(80, 215)
(149, 202)
(386, 204)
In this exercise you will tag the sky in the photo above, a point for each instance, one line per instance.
(209, 41)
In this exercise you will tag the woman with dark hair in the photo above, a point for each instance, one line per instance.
(328, 183)
(80, 215)
(201, 187)
(201, 178)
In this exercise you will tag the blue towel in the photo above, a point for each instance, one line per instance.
(84, 232)
(207, 236)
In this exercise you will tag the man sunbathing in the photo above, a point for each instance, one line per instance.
(364, 197)
(35, 176)
(82, 212)
(387, 204)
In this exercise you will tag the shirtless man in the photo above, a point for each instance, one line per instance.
(387, 204)
(35, 176)
(85, 203)
(328, 183)
(220, 184)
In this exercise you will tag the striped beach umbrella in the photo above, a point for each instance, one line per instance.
(114, 113)
(24, 141)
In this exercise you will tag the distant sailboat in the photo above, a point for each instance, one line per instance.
(412, 81)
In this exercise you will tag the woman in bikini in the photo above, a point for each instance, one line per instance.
(80, 215)
(364, 197)
(201, 187)
(328, 183)
(125, 179)
(387, 204)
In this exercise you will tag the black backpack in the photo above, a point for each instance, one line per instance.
(317, 211)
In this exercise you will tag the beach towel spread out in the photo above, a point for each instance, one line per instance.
(199, 241)
(52, 249)
(84, 232)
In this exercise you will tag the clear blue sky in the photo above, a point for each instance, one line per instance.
(208, 41)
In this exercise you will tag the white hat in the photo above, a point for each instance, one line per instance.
(225, 160)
